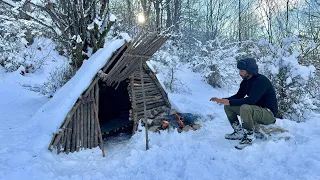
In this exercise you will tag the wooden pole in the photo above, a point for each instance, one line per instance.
(144, 104)
(98, 127)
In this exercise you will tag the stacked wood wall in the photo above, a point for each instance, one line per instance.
(80, 128)
(156, 99)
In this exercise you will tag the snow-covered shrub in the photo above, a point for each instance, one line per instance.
(292, 81)
(16, 35)
(57, 78)
(217, 63)
(170, 64)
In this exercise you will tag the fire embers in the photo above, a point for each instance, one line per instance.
(179, 121)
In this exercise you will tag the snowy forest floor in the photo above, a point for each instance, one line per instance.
(202, 154)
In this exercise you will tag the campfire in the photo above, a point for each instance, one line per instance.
(179, 121)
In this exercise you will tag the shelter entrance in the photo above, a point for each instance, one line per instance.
(114, 107)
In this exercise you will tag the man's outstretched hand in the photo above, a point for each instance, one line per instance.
(220, 101)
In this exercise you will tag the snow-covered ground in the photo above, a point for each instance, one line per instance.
(202, 154)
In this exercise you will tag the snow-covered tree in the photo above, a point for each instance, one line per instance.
(292, 81)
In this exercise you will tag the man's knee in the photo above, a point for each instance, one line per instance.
(245, 107)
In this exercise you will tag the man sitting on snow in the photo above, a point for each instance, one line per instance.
(255, 102)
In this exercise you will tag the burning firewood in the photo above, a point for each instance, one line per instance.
(165, 124)
(181, 124)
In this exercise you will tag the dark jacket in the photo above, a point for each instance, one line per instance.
(260, 92)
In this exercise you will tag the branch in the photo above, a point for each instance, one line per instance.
(53, 15)
(28, 15)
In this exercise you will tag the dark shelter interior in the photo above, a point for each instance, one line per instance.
(114, 106)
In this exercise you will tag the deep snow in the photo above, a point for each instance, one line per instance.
(202, 154)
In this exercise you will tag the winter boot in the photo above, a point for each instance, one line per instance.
(237, 133)
(248, 137)
(247, 140)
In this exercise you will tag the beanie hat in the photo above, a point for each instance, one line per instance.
(248, 64)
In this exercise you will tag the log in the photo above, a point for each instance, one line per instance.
(155, 111)
(148, 103)
(96, 97)
(133, 106)
(99, 129)
(56, 138)
(59, 147)
(149, 86)
(73, 138)
(81, 127)
(65, 139)
(62, 141)
(78, 129)
(147, 94)
(51, 142)
(140, 85)
(89, 125)
(92, 119)
(147, 89)
(144, 107)
(140, 109)
(149, 99)
(85, 126)
(69, 133)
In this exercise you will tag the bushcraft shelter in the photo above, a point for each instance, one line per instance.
(116, 97)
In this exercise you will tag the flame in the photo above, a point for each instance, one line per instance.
(180, 121)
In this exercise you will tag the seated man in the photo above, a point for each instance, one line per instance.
(255, 102)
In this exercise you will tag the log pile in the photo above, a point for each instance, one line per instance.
(157, 103)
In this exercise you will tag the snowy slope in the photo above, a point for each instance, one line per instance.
(202, 154)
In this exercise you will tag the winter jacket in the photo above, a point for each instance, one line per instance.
(260, 92)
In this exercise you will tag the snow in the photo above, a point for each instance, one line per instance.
(79, 40)
(202, 154)
(112, 18)
(125, 36)
(297, 69)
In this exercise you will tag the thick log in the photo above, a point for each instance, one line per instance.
(92, 120)
(85, 126)
(139, 109)
(62, 143)
(73, 138)
(59, 147)
(133, 106)
(148, 103)
(150, 85)
(149, 98)
(148, 94)
(81, 126)
(139, 84)
(69, 133)
(99, 129)
(56, 138)
(147, 89)
(144, 107)
(96, 96)
(89, 125)
(65, 139)
(78, 129)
